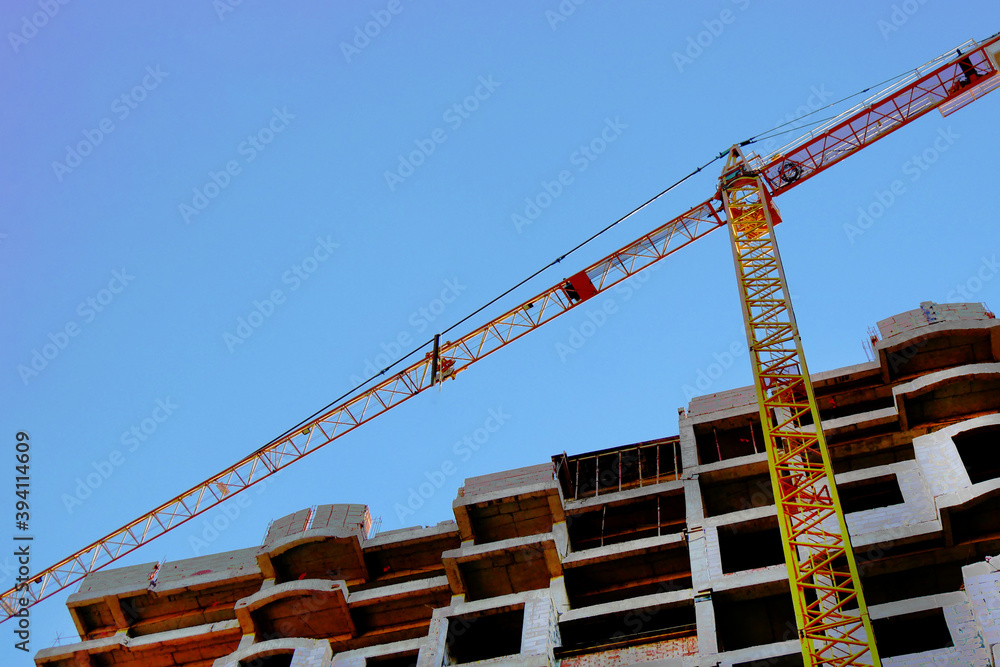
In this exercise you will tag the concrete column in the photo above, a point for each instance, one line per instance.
(560, 532)
(982, 585)
(704, 613)
(321, 656)
(560, 598)
(689, 447)
(540, 633)
(698, 553)
(433, 652)
(694, 507)
(337, 661)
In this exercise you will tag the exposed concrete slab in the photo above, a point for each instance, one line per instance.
(375, 596)
(844, 374)
(617, 551)
(414, 554)
(174, 576)
(328, 552)
(520, 502)
(402, 610)
(765, 653)
(620, 497)
(387, 649)
(273, 647)
(898, 337)
(909, 393)
(507, 566)
(764, 580)
(314, 607)
(730, 468)
(512, 661)
(740, 410)
(175, 647)
(852, 424)
(915, 604)
(187, 593)
(411, 536)
(743, 516)
(667, 598)
(722, 404)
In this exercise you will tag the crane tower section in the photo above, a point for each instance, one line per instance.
(830, 611)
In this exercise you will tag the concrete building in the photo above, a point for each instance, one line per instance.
(664, 552)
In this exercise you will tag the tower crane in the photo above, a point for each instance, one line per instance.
(831, 615)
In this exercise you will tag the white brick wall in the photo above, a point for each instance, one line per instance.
(982, 585)
(939, 461)
(704, 613)
(539, 634)
(917, 506)
(968, 650)
(535, 632)
(700, 569)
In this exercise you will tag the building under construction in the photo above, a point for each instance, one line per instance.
(665, 552)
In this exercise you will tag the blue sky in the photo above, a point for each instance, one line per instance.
(174, 170)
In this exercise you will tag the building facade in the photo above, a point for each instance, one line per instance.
(664, 552)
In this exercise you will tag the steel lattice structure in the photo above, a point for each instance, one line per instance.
(830, 611)
(365, 406)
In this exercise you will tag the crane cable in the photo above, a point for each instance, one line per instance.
(489, 303)
(753, 139)
(767, 134)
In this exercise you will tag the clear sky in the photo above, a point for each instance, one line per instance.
(349, 175)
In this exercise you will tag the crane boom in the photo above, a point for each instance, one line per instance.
(365, 406)
(948, 82)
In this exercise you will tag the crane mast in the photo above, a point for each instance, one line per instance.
(834, 628)
(830, 611)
